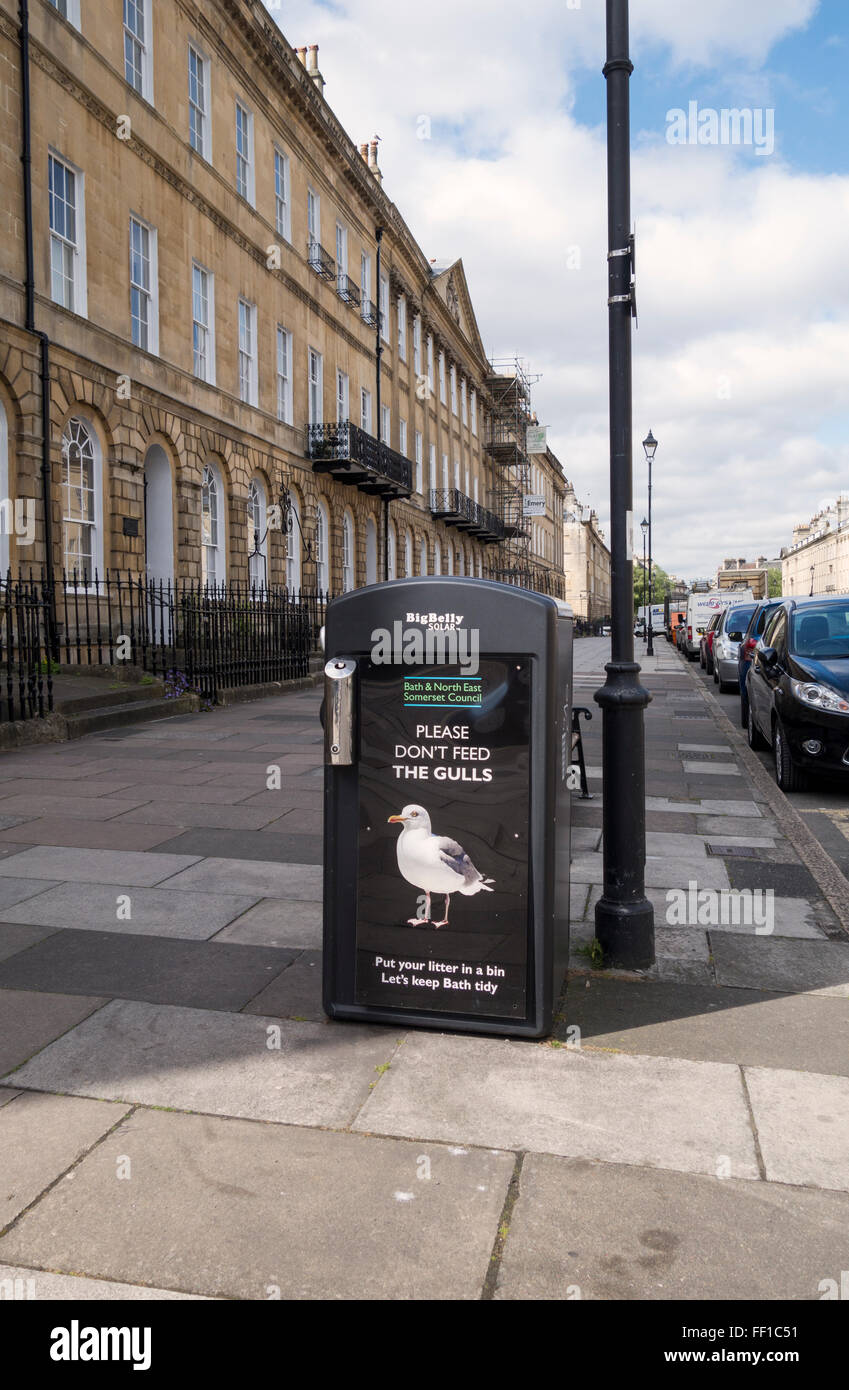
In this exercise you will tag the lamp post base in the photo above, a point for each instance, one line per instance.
(625, 932)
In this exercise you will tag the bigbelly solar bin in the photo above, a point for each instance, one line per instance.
(447, 724)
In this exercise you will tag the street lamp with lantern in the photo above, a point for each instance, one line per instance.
(650, 447)
(644, 526)
(624, 917)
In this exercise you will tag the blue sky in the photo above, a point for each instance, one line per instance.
(805, 79)
(742, 273)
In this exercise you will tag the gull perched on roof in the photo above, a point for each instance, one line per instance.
(435, 863)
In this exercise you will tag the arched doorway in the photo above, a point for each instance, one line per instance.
(158, 516)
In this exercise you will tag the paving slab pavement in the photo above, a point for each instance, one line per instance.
(30, 1020)
(706, 1023)
(41, 1136)
(782, 963)
(136, 870)
(157, 969)
(803, 1126)
(217, 1062)
(137, 912)
(290, 922)
(603, 1231)
(231, 1209)
(261, 877)
(656, 1112)
(44, 1287)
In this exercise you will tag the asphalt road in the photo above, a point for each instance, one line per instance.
(825, 804)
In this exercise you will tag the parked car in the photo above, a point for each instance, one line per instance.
(798, 689)
(756, 628)
(706, 645)
(728, 634)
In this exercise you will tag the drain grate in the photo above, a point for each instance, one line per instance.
(689, 714)
(734, 851)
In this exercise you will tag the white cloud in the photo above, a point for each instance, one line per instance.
(743, 284)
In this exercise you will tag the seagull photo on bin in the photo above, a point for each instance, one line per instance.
(435, 863)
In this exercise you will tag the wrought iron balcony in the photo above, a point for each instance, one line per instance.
(347, 290)
(352, 456)
(454, 508)
(320, 260)
(370, 313)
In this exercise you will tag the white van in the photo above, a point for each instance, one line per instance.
(700, 610)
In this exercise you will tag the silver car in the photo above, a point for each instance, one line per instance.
(726, 645)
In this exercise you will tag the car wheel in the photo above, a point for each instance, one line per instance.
(754, 737)
(788, 775)
(702, 658)
(744, 711)
(715, 675)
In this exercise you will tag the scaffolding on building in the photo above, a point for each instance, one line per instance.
(509, 387)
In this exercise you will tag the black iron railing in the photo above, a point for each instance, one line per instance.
(456, 509)
(370, 313)
(26, 667)
(320, 260)
(347, 289)
(216, 635)
(354, 456)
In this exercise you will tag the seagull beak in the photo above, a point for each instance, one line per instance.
(394, 818)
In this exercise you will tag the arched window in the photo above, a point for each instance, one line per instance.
(82, 541)
(293, 544)
(391, 558)
(408, 554)
(371, 551)
(423, 557)
(211, 525)
(7, 519)
(437, 558)
(348, 553)
(257, 535)
(322, 549)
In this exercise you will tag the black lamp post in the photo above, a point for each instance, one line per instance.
(812, 581)
(644, 526)
(650, 447)
(624, 918)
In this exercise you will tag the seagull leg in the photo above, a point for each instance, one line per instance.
(444, 922)
(419, 921)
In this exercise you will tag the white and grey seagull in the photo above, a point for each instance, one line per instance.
(435, 863)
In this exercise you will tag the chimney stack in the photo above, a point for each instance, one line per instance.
(372, 161)
(302, 54)
(364, 152)
(313, 68)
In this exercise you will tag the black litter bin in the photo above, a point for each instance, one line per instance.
(447, 805)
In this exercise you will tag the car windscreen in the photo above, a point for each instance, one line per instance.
(821, 631)
(737, 619)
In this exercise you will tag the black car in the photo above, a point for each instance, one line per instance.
(798, 689)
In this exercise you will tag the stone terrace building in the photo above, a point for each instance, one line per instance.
(586, 560)
(205, 243)
(546, 541)
(817, 559)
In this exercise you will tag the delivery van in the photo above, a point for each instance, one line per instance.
(700, 610)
